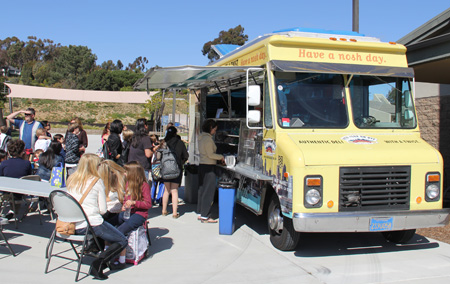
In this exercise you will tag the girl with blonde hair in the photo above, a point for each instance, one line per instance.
(94, 205)
(137, 200)
(113, 176)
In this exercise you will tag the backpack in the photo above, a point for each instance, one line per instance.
(106, 152)
(156, 166)
(169, 165)
(58, 176)
(123, 159)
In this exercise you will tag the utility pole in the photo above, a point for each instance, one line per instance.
(355, 26)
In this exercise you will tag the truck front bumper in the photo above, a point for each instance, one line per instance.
(363, 221)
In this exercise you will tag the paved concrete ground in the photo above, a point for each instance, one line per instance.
(186, 251)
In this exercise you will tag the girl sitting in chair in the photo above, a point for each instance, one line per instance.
(137, 201)
(86, 177)
(113, 177)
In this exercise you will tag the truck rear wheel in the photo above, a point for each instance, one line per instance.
(281, 230)
(399, 237)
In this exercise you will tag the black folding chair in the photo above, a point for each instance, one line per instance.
(68, 209)
(4, 221)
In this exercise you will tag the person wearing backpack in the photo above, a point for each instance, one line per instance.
(176, 148)
(49, 159)
(206, 170)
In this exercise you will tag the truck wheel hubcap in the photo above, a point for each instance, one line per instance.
(276, 220)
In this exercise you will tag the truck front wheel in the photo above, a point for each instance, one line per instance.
(281, 230)
(399, 237)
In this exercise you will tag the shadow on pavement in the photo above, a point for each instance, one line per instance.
(16, 247)
(334, 244)
(249, 219)
(159, 243)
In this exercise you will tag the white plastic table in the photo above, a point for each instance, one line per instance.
(26, 187)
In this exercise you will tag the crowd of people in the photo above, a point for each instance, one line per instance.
(120, 183)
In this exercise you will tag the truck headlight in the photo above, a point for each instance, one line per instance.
(312, 196)
(432, 191)
(432, 187)
(313, 190)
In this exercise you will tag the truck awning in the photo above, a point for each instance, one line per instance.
(194, 77)
(189, 76)
(317, 67)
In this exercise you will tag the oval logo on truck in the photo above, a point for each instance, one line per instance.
(359, 139)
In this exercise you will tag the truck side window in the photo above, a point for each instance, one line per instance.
(267, 108)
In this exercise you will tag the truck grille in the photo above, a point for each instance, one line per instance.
(373, 188)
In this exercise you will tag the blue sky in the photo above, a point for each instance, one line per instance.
(172, 32)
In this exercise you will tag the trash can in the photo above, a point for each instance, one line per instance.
(227, 195)
(191, 184)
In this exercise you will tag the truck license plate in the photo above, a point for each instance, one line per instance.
(381, 224)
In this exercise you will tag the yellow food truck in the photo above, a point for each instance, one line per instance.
(320, 133)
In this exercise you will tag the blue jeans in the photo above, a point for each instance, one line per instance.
(126, 226)
(107, 232)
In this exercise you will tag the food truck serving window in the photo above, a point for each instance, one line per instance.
(382, 102)
(310, 100)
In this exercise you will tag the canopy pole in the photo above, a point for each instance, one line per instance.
(174, 105)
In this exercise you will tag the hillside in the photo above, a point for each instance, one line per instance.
(89, 112)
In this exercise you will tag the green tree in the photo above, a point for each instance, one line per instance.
(14, 52)
(138, 64)
(41, 72)
(232, 36)
(119, 64)
(44, 63)
(125, 78)
(99, 80)
(154, 104)
(109, 65)
(27, 73)
(72, 66)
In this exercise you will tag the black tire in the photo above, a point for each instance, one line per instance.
(284, 238)
(399, 237)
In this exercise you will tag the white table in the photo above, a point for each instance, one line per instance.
(27, 187)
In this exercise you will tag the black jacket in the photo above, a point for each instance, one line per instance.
(115, 146)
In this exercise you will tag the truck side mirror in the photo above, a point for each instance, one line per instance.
(254, 116)
(407, 98)
(409, 115)
(254, 95)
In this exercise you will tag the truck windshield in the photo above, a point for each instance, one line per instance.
(382, 102)
(310, 100)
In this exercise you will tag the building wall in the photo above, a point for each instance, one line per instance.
(433, 111)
